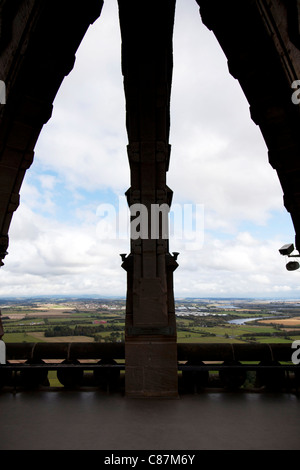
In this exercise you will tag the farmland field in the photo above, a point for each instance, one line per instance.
(85, 320)
(82, 320)
(295, 321)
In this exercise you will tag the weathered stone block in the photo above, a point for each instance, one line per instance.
(152, 369)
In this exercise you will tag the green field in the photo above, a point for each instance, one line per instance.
(19, 338)
(59, 323)
(88, 321)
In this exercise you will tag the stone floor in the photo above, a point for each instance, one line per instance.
(92, 420)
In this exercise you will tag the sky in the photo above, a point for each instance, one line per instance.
(61, 243)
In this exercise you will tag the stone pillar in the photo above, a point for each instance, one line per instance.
(150, 335)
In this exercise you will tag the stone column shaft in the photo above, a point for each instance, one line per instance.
(150, 338)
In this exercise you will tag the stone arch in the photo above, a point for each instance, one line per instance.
(38, 43)
(37, 50)
(261, 42)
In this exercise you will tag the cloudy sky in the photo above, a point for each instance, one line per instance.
(60, 243)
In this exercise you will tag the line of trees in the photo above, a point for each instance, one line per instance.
(78, 330)
(277, 333)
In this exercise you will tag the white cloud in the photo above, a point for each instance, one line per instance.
(218, 156)
(218, 159)
(47, 258)
(86, 138)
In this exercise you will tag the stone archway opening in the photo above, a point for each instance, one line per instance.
(33, 80)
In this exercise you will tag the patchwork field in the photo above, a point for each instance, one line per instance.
(294, 321)
(104, 320)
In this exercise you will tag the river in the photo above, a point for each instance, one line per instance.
(242, 321)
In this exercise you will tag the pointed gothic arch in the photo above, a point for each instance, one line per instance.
(261, 41)
(38, 42)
